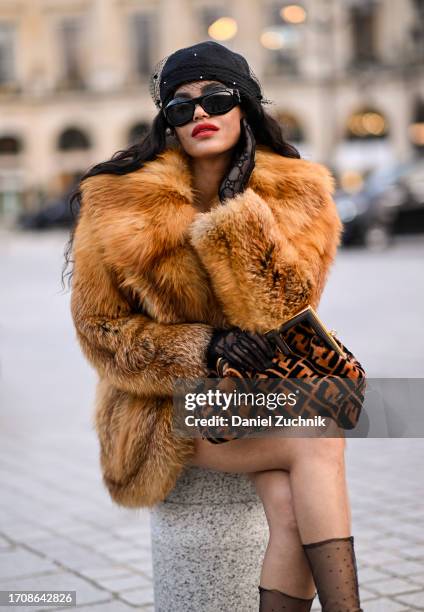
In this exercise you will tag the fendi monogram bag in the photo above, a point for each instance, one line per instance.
(310, 362)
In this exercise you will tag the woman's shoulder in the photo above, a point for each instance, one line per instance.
(286, 174)
(167, 175)
(297, 190)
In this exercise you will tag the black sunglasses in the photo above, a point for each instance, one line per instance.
(181, 110)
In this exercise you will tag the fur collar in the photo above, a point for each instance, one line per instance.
(167, 178)
(149, 211)
(274, 176)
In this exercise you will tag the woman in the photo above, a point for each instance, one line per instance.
(189, 246)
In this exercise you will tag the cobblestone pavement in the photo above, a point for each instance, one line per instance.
(58, 528)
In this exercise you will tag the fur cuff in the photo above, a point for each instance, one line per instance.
(256, 273)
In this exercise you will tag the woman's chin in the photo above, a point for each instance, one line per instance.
(207, 149)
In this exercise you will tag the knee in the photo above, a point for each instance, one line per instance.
(330, 451)
(327, 450)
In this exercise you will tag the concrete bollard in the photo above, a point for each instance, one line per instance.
(209, 537)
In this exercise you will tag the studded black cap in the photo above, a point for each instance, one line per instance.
(207, 60)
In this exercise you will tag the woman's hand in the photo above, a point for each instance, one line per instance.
(242, 164)
(243, 349)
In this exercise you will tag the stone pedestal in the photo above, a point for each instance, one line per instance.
(208, 540)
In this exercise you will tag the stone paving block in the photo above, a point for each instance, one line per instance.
(127, 554)
(143, 567)
(17, 528)
(386, 605)
(402, 568)
(413, 551)
(104, 571)
(65, 525)
(134, 530)
(412, 530)
(124, 583)
(143, 537)
(140, 597)
(395, 543)
(145, 564)
(416, 514)
(74, 564)
(144, 549)
(6, 514)
(60, 581)
(20, 562)
(370, 574)
(89, 540)
(112, 545)
(50, 543)
(382, 557)
(367, 534)
(53, 523)
(69, 554)
(367, 594)
(79, 530)
(413, 599)
(141, 542)
(35, 535)
(417, 579)
(366, 597)
(64, 550)
(5, 544)
(394, 586)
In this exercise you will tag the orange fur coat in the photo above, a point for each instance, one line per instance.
(153, 276)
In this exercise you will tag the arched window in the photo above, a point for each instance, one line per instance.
(292, 129)
(137, 132)
(73, 139)
(10, 145)
(366, 124)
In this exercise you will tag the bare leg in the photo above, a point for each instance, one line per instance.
(285, 566)
(317, 472)
(317, 478)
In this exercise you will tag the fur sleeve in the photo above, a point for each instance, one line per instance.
(135, 353)
(268, 257)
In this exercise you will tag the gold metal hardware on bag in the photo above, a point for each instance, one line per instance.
(317, 325)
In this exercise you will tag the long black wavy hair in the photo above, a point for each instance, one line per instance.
(266, 129)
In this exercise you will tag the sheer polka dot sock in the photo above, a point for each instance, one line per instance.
(272, 600)
(333, 567)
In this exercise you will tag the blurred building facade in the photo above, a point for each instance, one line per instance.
(346, 78)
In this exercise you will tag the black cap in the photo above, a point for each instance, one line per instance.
(207, 60)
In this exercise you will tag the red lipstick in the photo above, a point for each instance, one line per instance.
(204, 127)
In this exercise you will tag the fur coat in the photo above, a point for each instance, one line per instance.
(153, 276)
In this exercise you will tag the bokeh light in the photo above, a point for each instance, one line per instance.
(416, 133)
(368, 123)
(223, 28)
(351, 181)
(293, 13)
(272, 39)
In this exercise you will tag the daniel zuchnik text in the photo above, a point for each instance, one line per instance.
(270, 420)
(225, 400)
